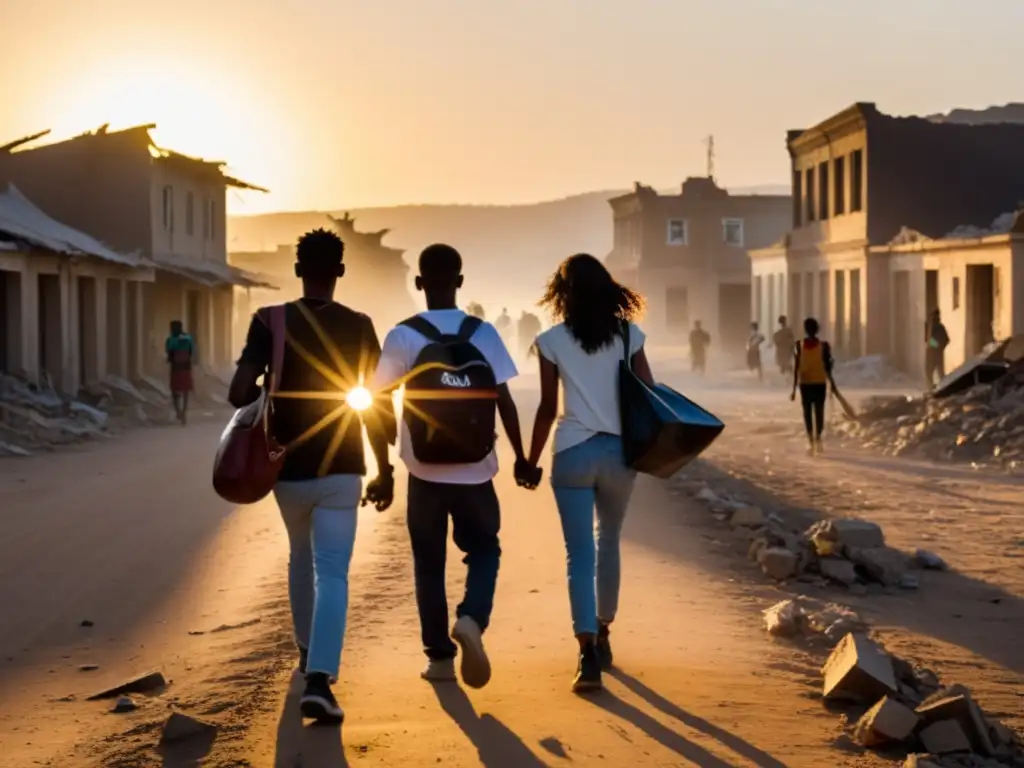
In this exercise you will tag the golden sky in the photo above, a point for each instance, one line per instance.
(347, 103)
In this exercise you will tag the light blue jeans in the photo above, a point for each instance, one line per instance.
(320, 516)
(588, 477)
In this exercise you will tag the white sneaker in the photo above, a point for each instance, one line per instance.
(439, 670)
(476, 667)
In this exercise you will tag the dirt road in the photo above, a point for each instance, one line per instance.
(147, 553)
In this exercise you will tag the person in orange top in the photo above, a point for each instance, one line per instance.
(812, 375)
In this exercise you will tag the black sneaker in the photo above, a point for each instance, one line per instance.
(604, 648)
(318, 702)
(303, 658)
(588, 672)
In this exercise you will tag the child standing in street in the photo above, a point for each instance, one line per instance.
(812, 375)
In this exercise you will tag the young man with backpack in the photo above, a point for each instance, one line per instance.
(456, 369)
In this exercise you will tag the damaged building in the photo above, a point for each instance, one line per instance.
(162, 208)
(71, 304)
(688, 254)
(893, 217)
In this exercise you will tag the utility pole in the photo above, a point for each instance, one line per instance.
(709, 142)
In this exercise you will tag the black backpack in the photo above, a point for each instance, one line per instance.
(450, 397)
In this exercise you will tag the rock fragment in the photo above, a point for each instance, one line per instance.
(778, 563)
(956, 704)
(146, 683)
(124, 704)
(930, 560)
(882, 564)
(887, 721)
(181, 727)
(944, 737)
(838, 570)
(858, 670)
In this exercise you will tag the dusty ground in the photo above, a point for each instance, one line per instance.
(129, 536)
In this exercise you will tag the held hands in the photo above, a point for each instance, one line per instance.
(527, 475)
(380, 491)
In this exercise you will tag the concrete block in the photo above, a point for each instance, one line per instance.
(961, 708)
(778, 562)
(747, 517)
(858, 533)
(887, 721)
(944, 737)
(838, 569)
(858, 670)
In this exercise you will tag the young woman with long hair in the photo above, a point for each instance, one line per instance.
(588, 472)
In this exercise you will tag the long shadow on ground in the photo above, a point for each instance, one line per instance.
(497, 746)
(309, 746)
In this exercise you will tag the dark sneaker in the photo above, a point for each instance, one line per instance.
(604, 648)
(588, 672)
(303, 658)
(318, 702)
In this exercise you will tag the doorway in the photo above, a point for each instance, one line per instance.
(10, 317)
(981, 307)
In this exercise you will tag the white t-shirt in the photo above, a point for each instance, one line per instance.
(398, 356)
(590, 384)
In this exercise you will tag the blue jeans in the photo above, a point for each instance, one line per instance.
(320, 516)
(587, 477)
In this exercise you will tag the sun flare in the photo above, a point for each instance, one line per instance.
(359, 399)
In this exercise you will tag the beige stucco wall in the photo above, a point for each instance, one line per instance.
(65, 320)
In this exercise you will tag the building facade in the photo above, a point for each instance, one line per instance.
(859, 180)
(155, 204)
(71, 306)
(688, 254)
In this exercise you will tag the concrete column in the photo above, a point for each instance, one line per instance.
(208, 310)
(138, 320)
(29, 336)
(68, 378)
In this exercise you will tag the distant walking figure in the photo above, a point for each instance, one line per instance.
(936, 340)
(754, 342)
(588, 473)
(812, 374)
(700, 340)
(331, 350)
(456, 370)
(180, 355)
(783, 340)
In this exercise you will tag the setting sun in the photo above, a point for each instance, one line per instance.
(359, 399)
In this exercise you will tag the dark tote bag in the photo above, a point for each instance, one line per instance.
(662, 431)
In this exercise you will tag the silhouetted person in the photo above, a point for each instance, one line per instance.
(700, 340)
(784, 339)
(526, 333)
(331, 349)
(591, 481)
(754, 342)
(936, 340)
(180, 352)
(812, 374)
(504, 324)
(456, 371)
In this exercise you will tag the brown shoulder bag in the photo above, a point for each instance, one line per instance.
(249, 459)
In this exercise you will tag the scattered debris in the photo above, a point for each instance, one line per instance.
(88, 667)
(982, 424)
(805, 617)
(870, 369)
(35, 417)
(940, 727)
(930, 560)
(151, 681)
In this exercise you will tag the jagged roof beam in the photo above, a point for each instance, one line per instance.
(6, 148)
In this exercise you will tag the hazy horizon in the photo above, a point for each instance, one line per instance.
(343, 105)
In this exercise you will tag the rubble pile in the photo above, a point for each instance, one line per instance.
(812, 619)
(846, 551)
(891, 704)
(36, 418)
(984, 424)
